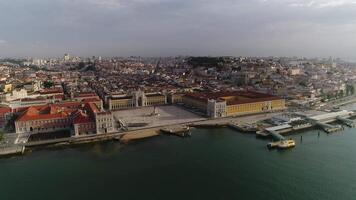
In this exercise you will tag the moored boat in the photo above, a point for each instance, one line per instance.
(285, 144)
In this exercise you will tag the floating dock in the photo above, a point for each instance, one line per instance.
(243, 128)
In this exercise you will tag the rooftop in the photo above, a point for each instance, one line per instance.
(233, 97)
(44, 112)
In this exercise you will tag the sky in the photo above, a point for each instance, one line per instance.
(50, 28)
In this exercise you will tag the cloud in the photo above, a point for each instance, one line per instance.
(3, 41)
(178, 27)
(321, 3)
(113, 4)
(106, 3)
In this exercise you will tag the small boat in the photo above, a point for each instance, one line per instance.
(285, 144)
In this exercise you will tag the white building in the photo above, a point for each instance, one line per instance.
(216, 108)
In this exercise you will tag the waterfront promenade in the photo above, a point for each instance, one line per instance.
(166, 118)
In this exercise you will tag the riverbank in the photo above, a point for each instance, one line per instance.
(142, 133)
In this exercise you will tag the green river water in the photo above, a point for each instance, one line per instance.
(212, 164)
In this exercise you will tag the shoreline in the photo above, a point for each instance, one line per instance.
(140, 133)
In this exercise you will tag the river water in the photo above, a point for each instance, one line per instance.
(212, 164)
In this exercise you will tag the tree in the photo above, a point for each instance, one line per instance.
(1, 136)
(341, 93)
(329, 96)
(48, 84)
(303, 83)
(352, 89)
(81, 65)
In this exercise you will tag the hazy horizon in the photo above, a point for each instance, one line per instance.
(310, 28)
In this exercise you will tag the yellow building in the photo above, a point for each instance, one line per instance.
(195, 102)
(136, 100)
(221, 104)
(121, 103)
(255, 107)
(155, 99)
(175, 98)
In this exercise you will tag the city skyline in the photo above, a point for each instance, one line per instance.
(40, 28)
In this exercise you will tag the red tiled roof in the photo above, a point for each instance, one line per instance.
(59, 96)
(51, 91)
(86, 94)
(32, 111)
(26, 117)
(70, 104)
(249, 96)
(92, 107)
(81, 118)
(4, 110)
(242, 101)
(90, 100)
(44, 112)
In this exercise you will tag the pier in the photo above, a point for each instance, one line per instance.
(181, 131)
(328, 128)
(245, 128)
(276, 135)
(273, 131)
(331, 117)
(347, 122)
(6, 150)
(323, 120)
(280, 142)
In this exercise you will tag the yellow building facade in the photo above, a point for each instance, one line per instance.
(255, 107)
(124, 103)
(191, 102)
(221, 104)
(137, 100)
(152, 100)
(175, 98)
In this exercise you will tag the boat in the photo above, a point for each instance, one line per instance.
(272, 145)
(285, 144)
